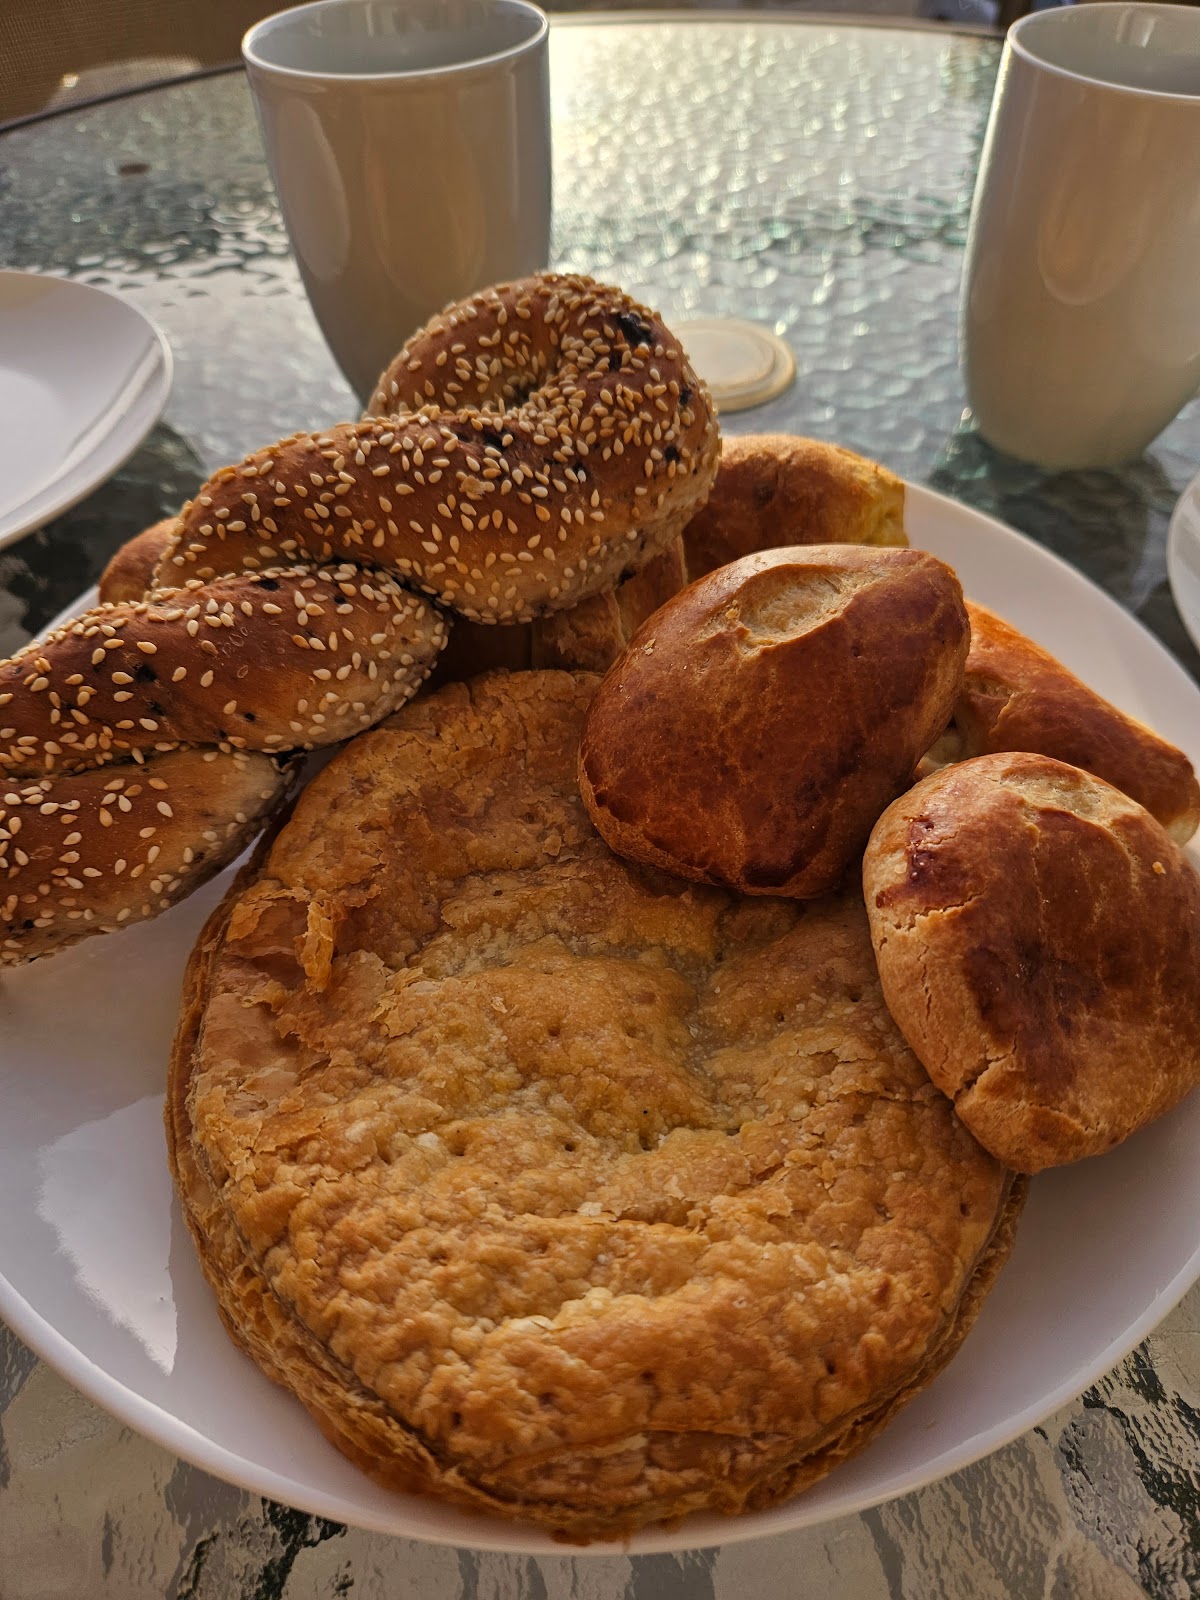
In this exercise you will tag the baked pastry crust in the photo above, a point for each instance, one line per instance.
(1038, 941)
(775, 489)
(1017, 696)
(549, 1184)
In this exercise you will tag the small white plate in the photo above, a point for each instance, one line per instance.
(84, 376)
(1183, 557)
(98, 1275)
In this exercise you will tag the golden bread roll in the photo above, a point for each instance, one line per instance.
(1016, 696)
(587, 638)
(776, 489)
(1038, 940)
(549, 1186)
(129, 574)
(763, 718)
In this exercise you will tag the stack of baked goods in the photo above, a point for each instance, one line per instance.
(606, 1092)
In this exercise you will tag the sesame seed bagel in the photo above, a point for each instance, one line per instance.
(281, 660)
(94, 851)
(561, 440)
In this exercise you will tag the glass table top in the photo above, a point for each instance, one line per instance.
(816, 178)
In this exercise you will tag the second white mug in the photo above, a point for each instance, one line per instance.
(409, 141)
(1081, 296)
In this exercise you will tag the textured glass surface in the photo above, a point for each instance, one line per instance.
(815, 178)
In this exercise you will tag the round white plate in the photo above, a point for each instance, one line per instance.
(1183, 557)
(84, 376)
(100, 1278)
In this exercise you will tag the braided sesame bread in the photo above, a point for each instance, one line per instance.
(129, 575)
(560, 441)
(232, 662)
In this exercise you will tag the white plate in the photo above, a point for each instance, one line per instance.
(101, 1280)
(1183, 557)
(84, 376)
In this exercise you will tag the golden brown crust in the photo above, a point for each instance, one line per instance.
(130, 572)
(591, 636)
(552, 1186)
(587, 638)
(776, 489)
(1038, 941)
(161, 827)
(763, 718)
(1016, 696)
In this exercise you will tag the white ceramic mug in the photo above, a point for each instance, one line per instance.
(409, 141)
(1080, 316)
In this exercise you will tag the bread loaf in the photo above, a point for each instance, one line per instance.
(587, 638)
(762, 719)
(1016, 696)
(1038, 941)
(776, 489)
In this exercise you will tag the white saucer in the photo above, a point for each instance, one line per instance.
(83, 378)
(1183, 557)
(743, 363)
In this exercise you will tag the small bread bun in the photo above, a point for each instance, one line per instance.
(587, 638)
(777, 489)
(1016, 696)
(129, 574)
(762, 719)
(1038, 940)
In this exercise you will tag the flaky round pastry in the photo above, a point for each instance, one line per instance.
(778, 489)
(551, 1186)
(762, 719)
(1038, 940)
(1016, 696)
(551, 436)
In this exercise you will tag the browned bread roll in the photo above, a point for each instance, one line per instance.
(1016, 696)
(762, 719)
(129, 575)
(587, 638)
(1038, 941)
(775, 489)
(541, 1183)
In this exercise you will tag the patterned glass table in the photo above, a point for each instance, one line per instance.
(812, 177)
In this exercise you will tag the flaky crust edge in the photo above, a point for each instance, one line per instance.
(361, 1426)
